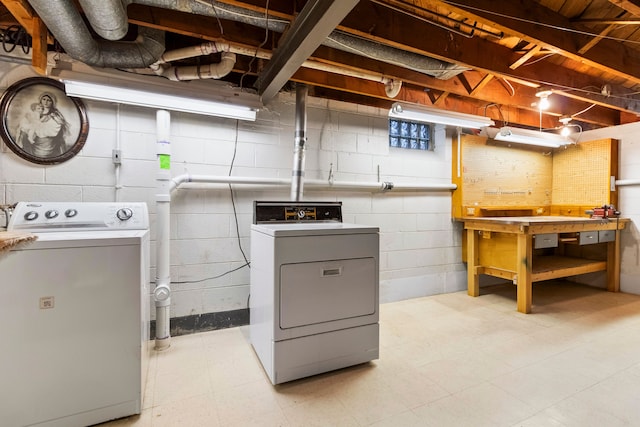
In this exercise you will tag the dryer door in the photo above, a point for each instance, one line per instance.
(327, 291)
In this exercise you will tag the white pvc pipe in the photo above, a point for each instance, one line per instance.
(162, 291)
(315, 184)
(382, 186)
(392, 87)
(627, 182)
(224, 179)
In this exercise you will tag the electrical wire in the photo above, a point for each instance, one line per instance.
(538, 60)
(233, 203)
(508, 83)
(266, 38)
(267, 19)
(14, 36)
(583, 111)
(247, 263)
(215, 12)
(210, 278)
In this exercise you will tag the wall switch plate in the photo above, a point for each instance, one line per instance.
(116, 157)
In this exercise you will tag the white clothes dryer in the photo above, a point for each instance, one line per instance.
(314, 303)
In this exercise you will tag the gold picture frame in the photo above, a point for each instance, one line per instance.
(40, 123)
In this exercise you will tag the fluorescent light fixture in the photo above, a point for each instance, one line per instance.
(530, 137)
(435, 115)
(165, 101)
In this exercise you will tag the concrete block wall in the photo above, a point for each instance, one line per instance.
(420, 245)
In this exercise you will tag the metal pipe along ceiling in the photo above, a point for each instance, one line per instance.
(300, 139)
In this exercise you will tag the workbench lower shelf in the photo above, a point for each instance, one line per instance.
(555, 267)
(549, 267)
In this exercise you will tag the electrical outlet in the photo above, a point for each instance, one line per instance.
(116, 157)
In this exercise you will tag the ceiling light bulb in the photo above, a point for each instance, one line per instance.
(544, 103)
(565, 131)
(543, 94)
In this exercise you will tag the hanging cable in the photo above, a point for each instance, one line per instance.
(266, 38)
(215, 12)
(14, 36)
(233, 203)
(584, 111)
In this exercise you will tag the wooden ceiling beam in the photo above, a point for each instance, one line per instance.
(523, 18)
(596, 39)
(631, 6)
(399, 30)
(21, 11)
(524, 58)
(27, 18)
(411, 93)
(470, 84)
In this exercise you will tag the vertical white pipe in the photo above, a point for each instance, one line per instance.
(162, 292)
(297, 173)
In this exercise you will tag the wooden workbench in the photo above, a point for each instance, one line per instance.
(505, 247)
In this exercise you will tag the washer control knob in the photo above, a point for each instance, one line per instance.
(31, 215)
(51, 214)
(70, 213)
(124, 214)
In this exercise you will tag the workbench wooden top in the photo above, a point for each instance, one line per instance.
(551, 223)
(527, 220)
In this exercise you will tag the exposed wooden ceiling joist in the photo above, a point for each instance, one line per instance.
(526, 19)
(631, 6)
(503, 51)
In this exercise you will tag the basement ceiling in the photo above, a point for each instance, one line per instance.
(484, 57)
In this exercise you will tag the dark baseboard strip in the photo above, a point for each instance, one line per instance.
(204, 322)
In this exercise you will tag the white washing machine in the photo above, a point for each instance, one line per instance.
(74, 310)
(314, 302)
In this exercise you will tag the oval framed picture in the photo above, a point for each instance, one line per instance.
(40, 123)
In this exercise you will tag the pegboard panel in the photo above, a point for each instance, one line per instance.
(499, 176)
(581, 173)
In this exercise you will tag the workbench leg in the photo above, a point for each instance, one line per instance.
(523, 272)
(473, 281)
(613, 264)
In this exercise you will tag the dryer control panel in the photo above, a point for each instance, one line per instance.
(286, 212)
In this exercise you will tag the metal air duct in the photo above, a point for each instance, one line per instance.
(61, 15)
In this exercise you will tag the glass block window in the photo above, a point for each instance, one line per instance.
(412, 135)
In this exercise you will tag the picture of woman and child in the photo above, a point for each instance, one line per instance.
(43, 130)
(40, 123)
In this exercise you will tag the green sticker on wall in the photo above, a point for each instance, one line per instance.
(165, 161)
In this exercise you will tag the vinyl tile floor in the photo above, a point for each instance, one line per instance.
(445, 360)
